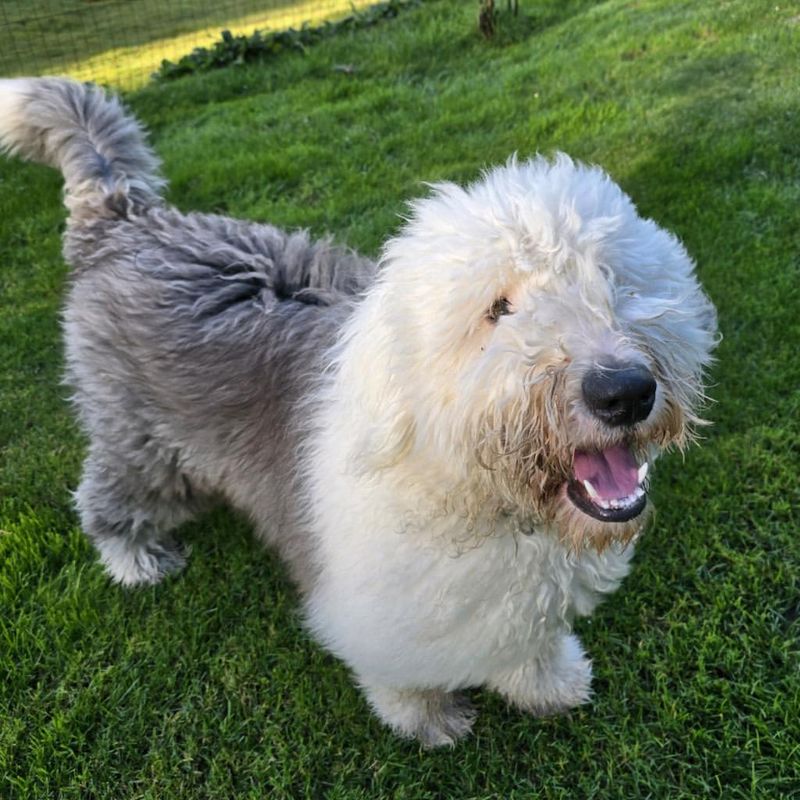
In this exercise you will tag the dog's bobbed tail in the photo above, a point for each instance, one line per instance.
(108, 168)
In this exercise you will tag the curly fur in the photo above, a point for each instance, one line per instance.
(406, 451)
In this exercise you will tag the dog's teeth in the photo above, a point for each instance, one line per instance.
(616, 503)
(590, 490)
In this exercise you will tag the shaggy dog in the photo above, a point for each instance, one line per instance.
(449, 448)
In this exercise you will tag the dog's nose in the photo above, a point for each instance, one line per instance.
(619, 393)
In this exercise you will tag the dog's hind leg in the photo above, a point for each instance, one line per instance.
(128, 513)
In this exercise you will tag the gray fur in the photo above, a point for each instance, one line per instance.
(190, 341)
(100, 150)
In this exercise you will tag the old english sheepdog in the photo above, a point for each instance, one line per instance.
(450, 448)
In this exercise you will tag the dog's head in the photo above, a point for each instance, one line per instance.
(533, 344)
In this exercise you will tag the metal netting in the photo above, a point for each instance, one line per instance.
(122, 42)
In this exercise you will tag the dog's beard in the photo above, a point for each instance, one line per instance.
(526, 458)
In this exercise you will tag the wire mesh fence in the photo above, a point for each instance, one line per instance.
(122, 42)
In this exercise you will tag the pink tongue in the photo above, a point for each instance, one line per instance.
(613, 472)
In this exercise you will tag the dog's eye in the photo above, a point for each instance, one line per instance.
(499, 308)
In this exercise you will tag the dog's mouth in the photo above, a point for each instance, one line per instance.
(608, 485)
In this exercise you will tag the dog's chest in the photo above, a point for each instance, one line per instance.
(454, 613)
(514, 587)
(501, 603)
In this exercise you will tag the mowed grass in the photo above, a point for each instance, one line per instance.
(207, 686)
(122, 43)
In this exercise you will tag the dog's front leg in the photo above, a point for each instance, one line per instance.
(433, 716)
(554, 680)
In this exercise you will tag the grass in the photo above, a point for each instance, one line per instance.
(206, 686)
(121, 43)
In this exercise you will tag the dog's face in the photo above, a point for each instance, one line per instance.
(544, 344)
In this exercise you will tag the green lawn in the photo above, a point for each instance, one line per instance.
(207, 686)
(122, 42)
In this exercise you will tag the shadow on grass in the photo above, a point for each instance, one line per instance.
(52, 34)
(726, 181)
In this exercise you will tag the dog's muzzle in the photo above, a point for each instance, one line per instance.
(608, 484)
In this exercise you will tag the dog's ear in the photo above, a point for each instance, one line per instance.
(709, 322)
(370, 370)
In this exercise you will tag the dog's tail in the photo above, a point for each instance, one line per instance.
(100, 149)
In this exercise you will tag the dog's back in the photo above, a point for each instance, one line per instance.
(191, 339)
(111, 174)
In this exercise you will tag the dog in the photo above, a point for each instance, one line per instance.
(450, 448)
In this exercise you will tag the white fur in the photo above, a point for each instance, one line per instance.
(431, 578)
(131, 563)
(12, 93)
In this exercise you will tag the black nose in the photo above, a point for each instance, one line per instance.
(619, 393)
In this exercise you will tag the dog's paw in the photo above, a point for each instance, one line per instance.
(546, 686)
(434, 717)
(140, 563)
